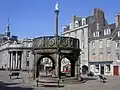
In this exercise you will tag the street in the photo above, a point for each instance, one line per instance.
(24, 83)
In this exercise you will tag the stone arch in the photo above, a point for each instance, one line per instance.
(72, 61)
(39, 62)
(84, 69)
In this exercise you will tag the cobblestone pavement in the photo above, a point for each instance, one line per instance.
(25, 83)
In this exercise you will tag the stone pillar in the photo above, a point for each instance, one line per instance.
(73, 69)
(57, 66)
(34, 67)
(16, 60)
(11, 60)
(20, 60)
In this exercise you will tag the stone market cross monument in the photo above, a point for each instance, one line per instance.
(56, 48)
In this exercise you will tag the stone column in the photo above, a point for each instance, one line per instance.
(57, 67)
(34, 67)
(20, 60)
(16, 59)
(11, 60)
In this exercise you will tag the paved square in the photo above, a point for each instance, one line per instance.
(24, 83)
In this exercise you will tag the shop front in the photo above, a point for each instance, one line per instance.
(101, 67)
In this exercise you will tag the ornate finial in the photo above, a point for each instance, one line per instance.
(7, 29)
(56, 6)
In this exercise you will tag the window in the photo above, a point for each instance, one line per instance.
(93, 44)
(118, 56)
(83, 21)
(101, 56)
(100, 44)
(76, 23)
(70, 26)
(107, 31)
(108, 43)
(28, 53)
(108, 56)
(96, 68)
(97, 34)
(107, 68)
(93, 57)
(118, 33)
(117, 44)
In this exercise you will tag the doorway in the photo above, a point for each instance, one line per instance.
(102, 69)
(115, 70)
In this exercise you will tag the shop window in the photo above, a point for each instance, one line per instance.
(118, 56)
(108, 68)
(96, 68)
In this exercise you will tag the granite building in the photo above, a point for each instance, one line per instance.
(99, 42)
(15, 53)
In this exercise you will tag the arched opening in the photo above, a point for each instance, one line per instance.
(45, 64)
(84, 69)
(68, 65)
(65, 67)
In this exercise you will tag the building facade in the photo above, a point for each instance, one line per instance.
(99, 42)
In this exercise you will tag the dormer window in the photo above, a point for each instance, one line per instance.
(96, 34)
(70, 26)
(118, 33)
(76, 23)
(107, 31)
(83, 21)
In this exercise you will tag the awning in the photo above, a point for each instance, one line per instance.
(100, 62)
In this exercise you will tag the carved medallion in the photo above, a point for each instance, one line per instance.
(51, 42)
(40, 42)
(64, 42)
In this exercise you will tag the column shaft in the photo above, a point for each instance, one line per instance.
(16, 60)
(11, 60)
(34, 67)
(57, 65)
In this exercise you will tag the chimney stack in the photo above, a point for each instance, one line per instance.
(117, 20)
(99, 15)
